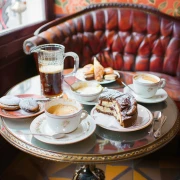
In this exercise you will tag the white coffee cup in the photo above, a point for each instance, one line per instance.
(146, 85)
(64, 115)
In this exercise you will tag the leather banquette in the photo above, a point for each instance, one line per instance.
(127, 37)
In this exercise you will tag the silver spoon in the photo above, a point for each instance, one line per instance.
(37, 99)
(156, 116)
(157, 133)
(55, 136)
(70, 86)
(128, 86)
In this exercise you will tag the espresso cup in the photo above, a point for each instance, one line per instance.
(146, 85)
(64, 115)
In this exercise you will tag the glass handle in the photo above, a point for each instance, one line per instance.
(76, 62)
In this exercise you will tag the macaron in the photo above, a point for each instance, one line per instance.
(9, 102)
(29, 105)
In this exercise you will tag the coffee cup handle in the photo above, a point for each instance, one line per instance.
(76, 62)
(162, 83)
(83, 115)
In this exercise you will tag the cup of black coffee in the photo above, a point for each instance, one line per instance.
(51, 65)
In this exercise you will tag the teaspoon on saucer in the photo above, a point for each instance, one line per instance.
(55, 136)
(121, 82)
(128, 87)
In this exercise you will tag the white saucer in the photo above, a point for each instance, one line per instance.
(79, 75)
(84, 130)
(94, 102)
(160, 96)
(109, 122)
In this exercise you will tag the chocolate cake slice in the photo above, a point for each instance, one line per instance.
(120, 105)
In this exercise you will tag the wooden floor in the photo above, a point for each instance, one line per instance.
(163, 164)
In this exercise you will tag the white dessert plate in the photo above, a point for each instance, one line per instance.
(109, 122)
(79, 75)
(84, 130)
(160, 96)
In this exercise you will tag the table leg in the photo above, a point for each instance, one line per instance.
(89, 172)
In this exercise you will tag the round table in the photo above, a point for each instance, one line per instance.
(103, 146)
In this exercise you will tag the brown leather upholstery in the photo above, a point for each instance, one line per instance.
(127, 37)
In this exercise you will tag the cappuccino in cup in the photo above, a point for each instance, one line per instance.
(146, 85)
(64, 115)
(61, 110)
(144, 78)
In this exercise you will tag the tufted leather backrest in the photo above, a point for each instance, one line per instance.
(123, 36)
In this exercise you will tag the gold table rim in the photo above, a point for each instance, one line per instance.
(90, 158)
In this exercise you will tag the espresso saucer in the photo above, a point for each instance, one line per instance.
(84, 130)
(160, 96)
(92, 103)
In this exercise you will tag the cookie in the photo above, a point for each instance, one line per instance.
(9, 102)
(9, 107)
(88, 69)
(89, 76)
(108, 70)
(29, 105)
(110, 77)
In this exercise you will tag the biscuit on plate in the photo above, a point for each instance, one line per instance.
(89, 76)
(29, 105)
(98, 70)
(9, 102)
(88, 71)
(108, 70)
(9, 107)
(110, 77)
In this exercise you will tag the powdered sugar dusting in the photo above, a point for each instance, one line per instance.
(110, 94)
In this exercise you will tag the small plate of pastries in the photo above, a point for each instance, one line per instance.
(96, 72)
(21, 106)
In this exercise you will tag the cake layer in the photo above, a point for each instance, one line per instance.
(109, 111)
(122, 106)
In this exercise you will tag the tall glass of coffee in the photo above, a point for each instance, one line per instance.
(51, 64)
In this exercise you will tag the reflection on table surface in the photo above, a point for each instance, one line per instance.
(160, 165)
(102, 146)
